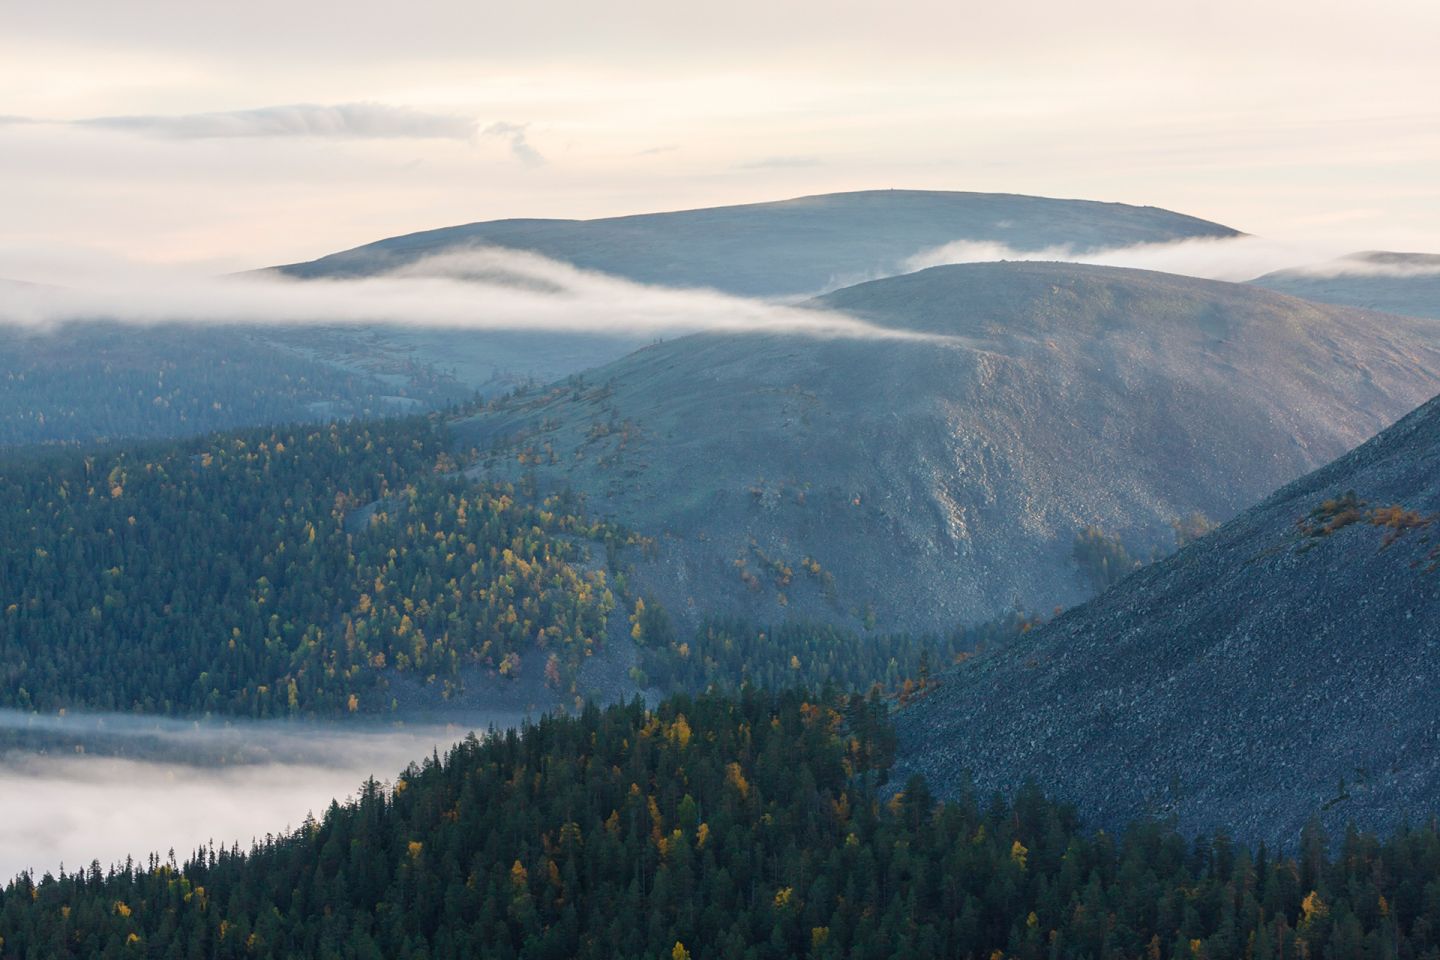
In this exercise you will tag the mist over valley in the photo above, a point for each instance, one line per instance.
(774, 482)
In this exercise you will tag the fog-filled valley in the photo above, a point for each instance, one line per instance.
(106, 787)
(856, 574)
(747, 481)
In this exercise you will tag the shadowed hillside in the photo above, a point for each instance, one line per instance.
(1282, 667)
(943, 475)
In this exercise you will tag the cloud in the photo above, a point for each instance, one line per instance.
(1374, 263)
(165, 784)
(485, 288)
(1230, 258)
(519, 145)
(338, 121)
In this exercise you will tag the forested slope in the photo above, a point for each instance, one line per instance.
(283, 571)
(751, 828)
(351, 568)
(84, 383)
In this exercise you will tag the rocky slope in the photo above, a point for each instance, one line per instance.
(941, 476)
(1403, 283)
(1286, 665)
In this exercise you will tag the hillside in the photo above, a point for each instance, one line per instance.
(943, 476)
(787, 248)
(348, 571)
(1281, 667)
(95, 382)
(333, 570)
(1403, 283)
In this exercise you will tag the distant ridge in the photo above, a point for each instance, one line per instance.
(789, 248)
(1403, 283)
(1283, 667)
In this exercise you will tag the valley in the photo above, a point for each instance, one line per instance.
(111, 787)
(747, 481)
(930, 612)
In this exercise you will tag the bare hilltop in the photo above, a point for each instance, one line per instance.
(941, 475)
(788, 248)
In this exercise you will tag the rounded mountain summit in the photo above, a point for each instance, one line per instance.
(788, 248)
(778, 250)
(939, 471)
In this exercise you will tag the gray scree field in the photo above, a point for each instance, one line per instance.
(1285, 666)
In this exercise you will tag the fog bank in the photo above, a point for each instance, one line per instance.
(1235, 259)
(167, 785)
(486, 288)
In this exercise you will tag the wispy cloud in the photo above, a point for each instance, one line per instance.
(482, 289)
(1231, 258)
(336, 121)
(1374, 264)
(519, 145)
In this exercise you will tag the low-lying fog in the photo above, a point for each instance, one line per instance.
(96, 787)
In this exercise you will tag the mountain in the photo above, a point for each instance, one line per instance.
(788, 248)
(223, 379)
(940, 471)
(784, 249)
(1284, 666)
(1403, 283)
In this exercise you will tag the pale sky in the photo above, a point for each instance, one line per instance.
(225, 136)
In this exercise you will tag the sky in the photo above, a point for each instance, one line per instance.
(218, 137)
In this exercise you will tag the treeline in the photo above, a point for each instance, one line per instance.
(284, 571)
(725, 654)
(92, 382)
(756, 827)
(296, 570)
